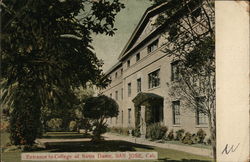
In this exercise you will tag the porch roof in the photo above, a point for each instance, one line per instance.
(143, 97)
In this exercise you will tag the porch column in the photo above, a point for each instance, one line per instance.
(143, 122)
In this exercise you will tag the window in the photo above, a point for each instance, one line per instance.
(116, 95)
(201, 117)
(115, 74)
(153, 46)
(138, 57)
(128, 63)
(129, 89)
(110, 95)
(139, 85)
(121, 71)
(154, 79)
(122, 93)
(129, 116)
(122, 117)
(176, 112)
(175, 71)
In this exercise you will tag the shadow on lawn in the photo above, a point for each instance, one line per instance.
(64, 135)
(184, 160)
(88, 146)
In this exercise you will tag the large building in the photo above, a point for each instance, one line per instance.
(141, 79)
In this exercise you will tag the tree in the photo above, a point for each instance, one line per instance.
(99, 109)
(189, 31)
(47, 53)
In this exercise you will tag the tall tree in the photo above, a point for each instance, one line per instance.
(190, 41)
(47, 53)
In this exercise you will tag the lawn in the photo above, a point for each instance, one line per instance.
(105, 146)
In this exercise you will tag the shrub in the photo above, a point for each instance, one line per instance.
(72, 126)
(187, 139)
(201, 134)
(84, 124)
(170, 136)
(156, 131)
(194, 138)
(209, 142)
(179, 134)
(136, 132)
(55, 124)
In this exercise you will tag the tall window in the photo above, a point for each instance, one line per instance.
(122, 117)
(121, 71)
(122, 93)
(128, 63)
(138, 57)
(176, 112)
(154, 79)
(116, 95)
(115, 74)
(110, 95)
(153, 46)
(201, 117)
(129, 89)
(175, 71)
(129, 116)
(139, 85)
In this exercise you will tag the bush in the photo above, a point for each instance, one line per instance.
(194, 138)
(201, 134)
(170, 136)
(84, 124)
(72, 126)
(209, 142)
(55, 124)
(136, 132)
(156, 131)
(187, 139)
(179, 134)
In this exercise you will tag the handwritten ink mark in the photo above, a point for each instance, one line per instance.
(228, 150)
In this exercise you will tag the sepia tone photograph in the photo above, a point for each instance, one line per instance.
(108, 80)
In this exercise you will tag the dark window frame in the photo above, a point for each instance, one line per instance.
(116, 95)
(175, 71)
(139, 86)
(153, 46)
(129, 116)
(128, 63)
(154, 79)
(201, 117)
(138, 57)
(176, 107)
(129, 89)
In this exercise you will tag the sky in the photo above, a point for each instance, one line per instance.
(109, 48)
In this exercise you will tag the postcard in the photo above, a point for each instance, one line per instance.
(125, 80)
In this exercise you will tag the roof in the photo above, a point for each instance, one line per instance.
(150, 12)
(114, 67)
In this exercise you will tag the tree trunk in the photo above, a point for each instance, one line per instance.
(212, 128)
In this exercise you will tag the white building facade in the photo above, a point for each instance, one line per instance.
(144, 69)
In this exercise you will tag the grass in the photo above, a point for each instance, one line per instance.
(105, 146)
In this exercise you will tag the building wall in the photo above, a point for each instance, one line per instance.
(148, 63)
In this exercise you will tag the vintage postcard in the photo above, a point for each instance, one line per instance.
(125, 80)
